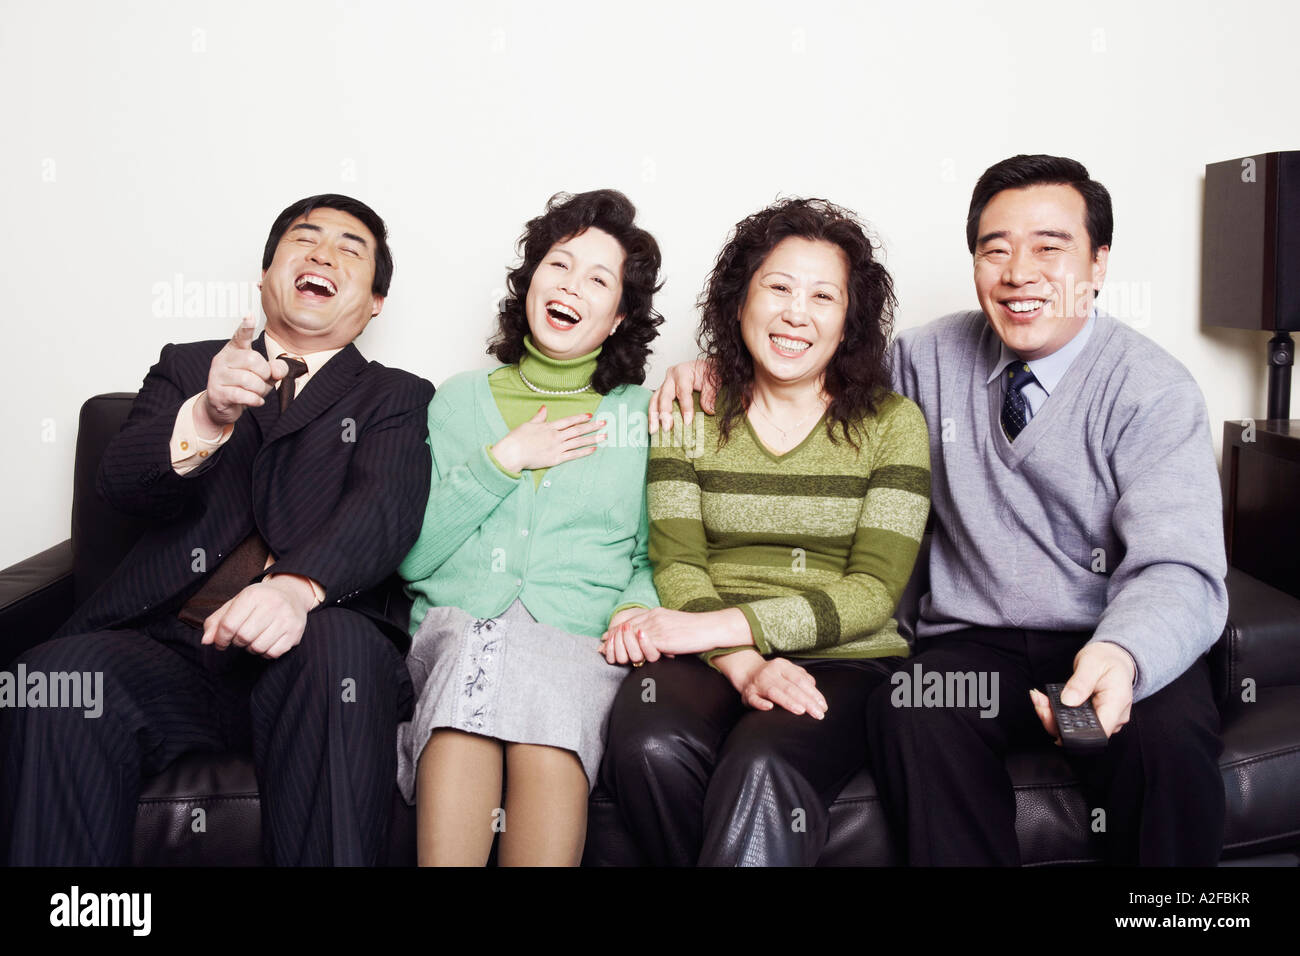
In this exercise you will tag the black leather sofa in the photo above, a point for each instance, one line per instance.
(1261, 759)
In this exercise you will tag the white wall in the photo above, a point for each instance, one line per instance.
(147, 140)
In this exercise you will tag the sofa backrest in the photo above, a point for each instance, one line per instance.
(101, 535)
(909, 604)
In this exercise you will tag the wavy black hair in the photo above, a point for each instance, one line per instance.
(353, 207)
(623, 357)
(857, 376)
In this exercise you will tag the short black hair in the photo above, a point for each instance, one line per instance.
(622, 358)
(353, 207)
(1040, 170)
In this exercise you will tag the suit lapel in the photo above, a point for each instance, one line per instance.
(269, 413)
(325, 388)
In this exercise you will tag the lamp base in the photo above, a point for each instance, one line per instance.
(1281, 356)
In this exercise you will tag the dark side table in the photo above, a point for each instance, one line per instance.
(1261, 500)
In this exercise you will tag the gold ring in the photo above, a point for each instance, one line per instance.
(637, 663)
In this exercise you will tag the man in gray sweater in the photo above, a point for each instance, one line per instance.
(1079, 535)
(1078, 538)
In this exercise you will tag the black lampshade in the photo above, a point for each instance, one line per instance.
(1250, 265)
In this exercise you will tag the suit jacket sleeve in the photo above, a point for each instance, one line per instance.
(136, 474)
(364, 538)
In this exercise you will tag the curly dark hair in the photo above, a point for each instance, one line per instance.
(857, 377)
(623, 357)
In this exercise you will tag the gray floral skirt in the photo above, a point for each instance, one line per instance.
(510, 678)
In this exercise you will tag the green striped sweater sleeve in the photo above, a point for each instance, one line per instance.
(679, 550)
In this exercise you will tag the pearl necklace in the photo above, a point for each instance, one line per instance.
(551, 391)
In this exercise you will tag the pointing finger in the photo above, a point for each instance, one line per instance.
(244, 335)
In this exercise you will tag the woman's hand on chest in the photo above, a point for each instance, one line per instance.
(538, 443)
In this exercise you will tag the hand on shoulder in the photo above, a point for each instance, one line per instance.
(681, 381)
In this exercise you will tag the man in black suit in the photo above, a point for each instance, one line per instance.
(286, 478)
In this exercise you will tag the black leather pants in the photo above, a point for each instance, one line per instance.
(701, 778)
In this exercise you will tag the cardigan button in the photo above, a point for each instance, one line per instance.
(524, 532)
(546, 482)
(519, 582)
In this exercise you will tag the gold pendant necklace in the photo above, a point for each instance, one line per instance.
(785, 437)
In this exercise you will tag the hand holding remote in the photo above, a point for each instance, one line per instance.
(1080, 730)
(1103, 680)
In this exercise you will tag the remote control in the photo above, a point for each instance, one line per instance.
(1080, 729)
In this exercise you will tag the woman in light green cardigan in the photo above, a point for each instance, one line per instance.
(534, 546)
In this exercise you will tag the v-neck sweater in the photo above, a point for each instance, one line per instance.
(572, 546)
(1103, 515)
(814, 546)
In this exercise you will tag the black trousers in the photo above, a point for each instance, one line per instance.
(320, 720)
(942, 776)
(701, 778)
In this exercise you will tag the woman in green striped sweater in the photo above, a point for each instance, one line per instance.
(782, 534)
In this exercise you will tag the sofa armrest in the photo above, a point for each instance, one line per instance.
(1261, 640)
(35, 598)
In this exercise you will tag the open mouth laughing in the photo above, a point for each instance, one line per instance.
(561, 317)
(314, 286)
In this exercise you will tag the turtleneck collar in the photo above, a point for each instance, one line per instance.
(557, 374)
